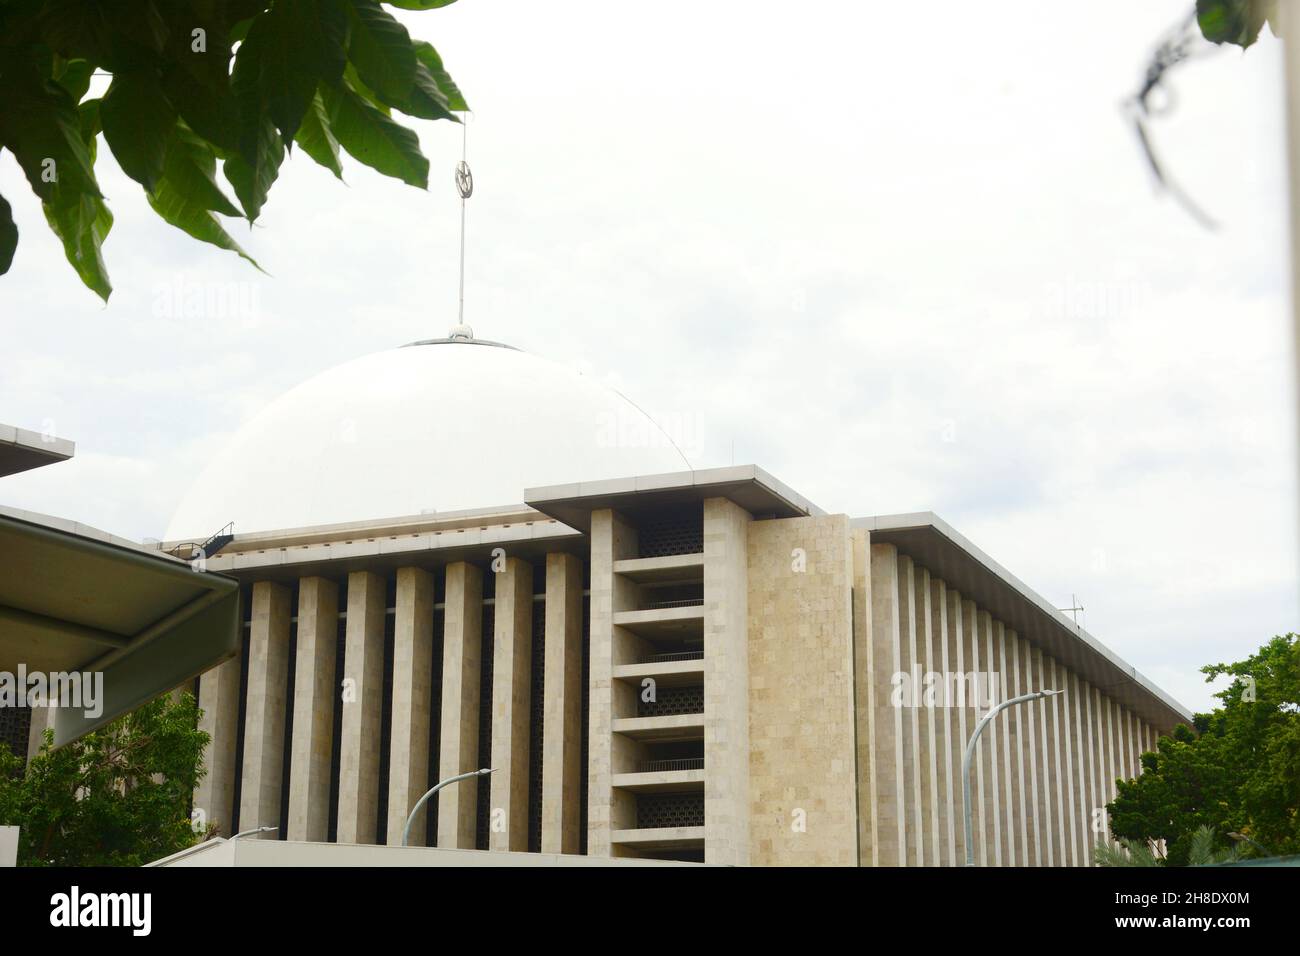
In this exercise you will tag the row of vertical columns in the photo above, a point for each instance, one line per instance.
(1042, 771)
(320, 685)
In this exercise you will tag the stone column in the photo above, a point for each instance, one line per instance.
(512, 672)
(980, 800)
(1079, 776)
(219, 701)
(360, 689)
(726, 682)
(313, 710)
(1033, 745)
(408, 750)
(1045, 798)
(1071, 838)
(950, 750)
(612, 539)
(961, 728)
(462, 667)
(1020, 750)
(1010, 822)
(890, 845)
(991, 742)
(1089, 749)
(912, 756)
(864, 697)
(562, 729)
(268, 685)
(928, 703)
(1060, 774)
(1099, 754)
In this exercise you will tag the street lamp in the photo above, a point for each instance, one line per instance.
(253, 830)
(970, 751)
(406, 833)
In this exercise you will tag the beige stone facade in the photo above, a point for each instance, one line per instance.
(697, 666)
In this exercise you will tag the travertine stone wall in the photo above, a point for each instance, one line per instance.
(612, 538)
(803, 801)
(726, 683)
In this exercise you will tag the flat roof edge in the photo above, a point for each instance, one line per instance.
(922, 520)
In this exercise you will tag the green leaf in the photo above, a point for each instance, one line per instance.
(197, 81)
(41, 126)
(181, 206)
(317, 139)
(380, 48)
(8, 236)
(373, 138)
(190, 170)
(137, 120)
(419, 4)
(429, 57)
(426, 100)
(261, 149)
(253, 181)
(210, 110)
(293, 48)
(1234, 21)
(82, 223)
(74, 76)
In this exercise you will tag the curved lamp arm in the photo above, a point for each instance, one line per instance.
(406, 833)
(970, 752)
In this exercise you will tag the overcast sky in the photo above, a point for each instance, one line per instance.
(902, 258)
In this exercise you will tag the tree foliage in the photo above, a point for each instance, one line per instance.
(1203, 850)
(118, 797)
(1240, 772)
(201, 83)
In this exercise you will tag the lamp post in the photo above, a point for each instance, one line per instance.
(253, 830)
(406, 833)
(970, 752)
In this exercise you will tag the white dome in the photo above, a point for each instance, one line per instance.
(447, 425)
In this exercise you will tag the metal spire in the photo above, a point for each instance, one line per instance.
(465, 186)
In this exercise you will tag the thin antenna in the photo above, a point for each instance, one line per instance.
(1074, 609)
(464, 186)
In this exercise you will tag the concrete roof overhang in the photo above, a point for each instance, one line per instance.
(747, 485)
(22, 450)
(930, 541)
(76, 600)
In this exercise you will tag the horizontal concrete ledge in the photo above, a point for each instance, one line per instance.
(664, 673)
(670, 727)
(669, 567)
(659, 838)
(247, 852)
(22, 450)
(662, 780)
(747, 485)
(659, 615)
